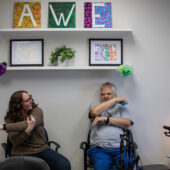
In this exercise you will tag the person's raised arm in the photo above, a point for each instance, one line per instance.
(22, 125)
(14, 127)
(102, 107)
(37, 113)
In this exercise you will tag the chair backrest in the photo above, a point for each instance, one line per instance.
(9, 147)
(23, 163)
(46, 135)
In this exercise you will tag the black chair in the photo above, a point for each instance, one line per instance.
(8, 145)
(130, 146)
(23, 163)
(155, 167)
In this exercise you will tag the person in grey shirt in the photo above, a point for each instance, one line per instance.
(108, 118)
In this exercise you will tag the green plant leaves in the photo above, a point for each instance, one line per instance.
(65, 52)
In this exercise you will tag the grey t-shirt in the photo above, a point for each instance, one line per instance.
(108, 136)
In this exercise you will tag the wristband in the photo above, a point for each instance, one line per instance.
(4, 126)
(107, 120)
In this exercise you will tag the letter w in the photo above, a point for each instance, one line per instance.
(61, 16)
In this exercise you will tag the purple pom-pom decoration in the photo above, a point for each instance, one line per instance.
(3, 69)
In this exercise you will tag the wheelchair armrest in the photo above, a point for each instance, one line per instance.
(54, 143)
(4, 145)
(135, 145)
(83, 146)
(6, 149)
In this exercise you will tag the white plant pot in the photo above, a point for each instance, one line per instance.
(60, 63)
(54, 64)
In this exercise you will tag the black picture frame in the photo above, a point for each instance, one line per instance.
(105, 52)
(26, 52)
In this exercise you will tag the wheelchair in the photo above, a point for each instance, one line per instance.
(130, 149)
(8, 145)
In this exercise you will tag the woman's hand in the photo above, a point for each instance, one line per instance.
(31, 124)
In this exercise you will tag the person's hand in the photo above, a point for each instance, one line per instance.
(98, 120)
(121, 98)
(31, 124)
(1, 127)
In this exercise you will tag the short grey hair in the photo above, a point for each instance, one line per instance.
(110, 85)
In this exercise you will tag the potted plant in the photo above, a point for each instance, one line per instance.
(62, 54)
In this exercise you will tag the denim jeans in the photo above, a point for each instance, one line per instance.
(103, 159)
(55, 160)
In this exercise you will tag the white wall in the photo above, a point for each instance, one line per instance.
(65, 95)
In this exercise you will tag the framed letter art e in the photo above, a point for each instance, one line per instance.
(97, 15)
(105, 52)
(26, 52)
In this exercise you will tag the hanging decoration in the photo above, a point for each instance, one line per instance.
(3, 68)
(125, 70)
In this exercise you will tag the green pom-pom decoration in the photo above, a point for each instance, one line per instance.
(125, 70)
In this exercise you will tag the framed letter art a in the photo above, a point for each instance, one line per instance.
(26, 52)
(105, 52)
(27, 14)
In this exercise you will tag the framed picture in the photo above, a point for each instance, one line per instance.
(105, 52)
(27, 52)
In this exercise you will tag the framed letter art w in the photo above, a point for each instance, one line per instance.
(62, 15)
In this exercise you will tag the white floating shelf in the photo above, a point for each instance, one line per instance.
(65, 29)
(64, 68)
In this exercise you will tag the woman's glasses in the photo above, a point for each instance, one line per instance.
(30, 98)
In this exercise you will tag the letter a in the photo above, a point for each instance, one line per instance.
(26, 6)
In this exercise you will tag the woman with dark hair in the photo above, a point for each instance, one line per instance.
(25, 128)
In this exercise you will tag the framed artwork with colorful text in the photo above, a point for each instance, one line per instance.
(105, 52)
